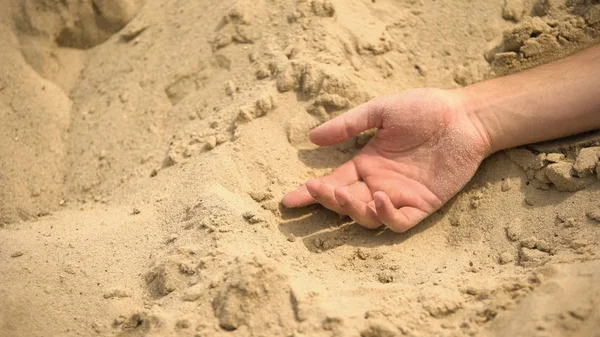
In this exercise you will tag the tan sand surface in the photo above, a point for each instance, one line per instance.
(145, 147)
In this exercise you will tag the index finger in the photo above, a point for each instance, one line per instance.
(342, 176)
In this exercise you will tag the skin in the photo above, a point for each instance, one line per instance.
(430, 142)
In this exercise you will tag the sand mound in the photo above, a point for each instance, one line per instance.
(552, 31)
(253, 294)
(147, 145)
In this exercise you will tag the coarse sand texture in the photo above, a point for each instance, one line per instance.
(145, 147)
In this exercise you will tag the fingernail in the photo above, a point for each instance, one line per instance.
(378, 203)
(312, 194)
(341, 201)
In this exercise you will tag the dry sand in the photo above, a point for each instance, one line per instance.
(145, 148)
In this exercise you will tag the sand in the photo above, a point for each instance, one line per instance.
(146, 147)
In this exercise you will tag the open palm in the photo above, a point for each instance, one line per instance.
(427, 147)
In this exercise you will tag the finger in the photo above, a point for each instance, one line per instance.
(323, 194)
(298, 198)
(363, 117)
(398, 220)
(361, 191)
(409, 195)
(357, 209)
(342, 176)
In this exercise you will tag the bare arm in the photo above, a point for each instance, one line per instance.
(551, 101)
(430, 142)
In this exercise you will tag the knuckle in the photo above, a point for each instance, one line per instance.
(348, 127)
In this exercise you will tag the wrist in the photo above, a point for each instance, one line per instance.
(480, 115)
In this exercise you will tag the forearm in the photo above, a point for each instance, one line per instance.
(551, 101)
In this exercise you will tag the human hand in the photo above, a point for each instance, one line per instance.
(427, 147)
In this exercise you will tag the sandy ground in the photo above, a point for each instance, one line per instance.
(145, 147)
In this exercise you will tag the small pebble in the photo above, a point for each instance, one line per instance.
(594, 214)
(505, 186)
(230, 88)
(17, 254)
(362, 254)
(506, 257)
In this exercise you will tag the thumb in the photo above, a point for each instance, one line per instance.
(364, 117)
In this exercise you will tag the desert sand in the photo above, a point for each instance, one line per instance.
(145, 148)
